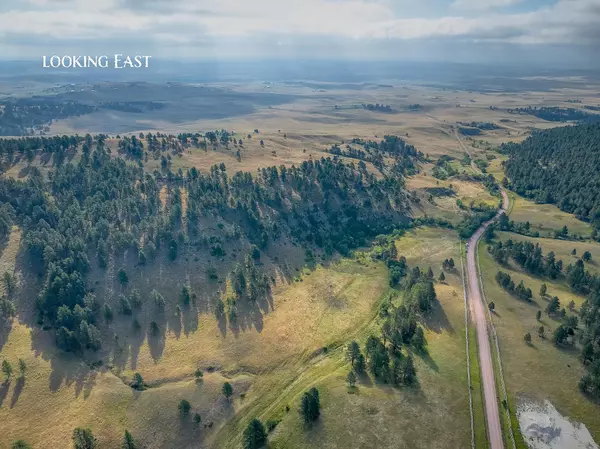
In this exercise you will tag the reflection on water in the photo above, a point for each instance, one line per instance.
(543, 427)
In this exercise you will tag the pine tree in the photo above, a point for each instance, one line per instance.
(255, 435)
(311, 405)
(352, 352)
(128, 441)
(351, 378)
(84, 439)
(7, 369)
(22, 368)
(184, 407)
(418, 340)
(227, 390)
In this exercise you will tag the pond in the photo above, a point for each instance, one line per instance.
(543, 427)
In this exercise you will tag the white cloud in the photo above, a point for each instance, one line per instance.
(483, 4)
(163, 23)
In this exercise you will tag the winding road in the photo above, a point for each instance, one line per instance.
(479, 315)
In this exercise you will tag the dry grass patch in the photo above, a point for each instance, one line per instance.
(546, 216)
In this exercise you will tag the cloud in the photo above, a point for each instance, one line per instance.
(483, 4)
(191, 27)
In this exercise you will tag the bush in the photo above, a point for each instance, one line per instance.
(184, 407)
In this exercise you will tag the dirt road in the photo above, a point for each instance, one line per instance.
(483, 342)
(479, 315)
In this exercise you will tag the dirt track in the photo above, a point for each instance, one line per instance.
(483, 342)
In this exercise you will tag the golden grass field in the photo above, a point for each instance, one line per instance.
(546, 217)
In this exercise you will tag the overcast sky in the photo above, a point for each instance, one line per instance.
(551, 32)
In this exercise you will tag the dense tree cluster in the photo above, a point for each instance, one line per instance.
(559, 166)
(470, 223)
(520, 291)
(404, 155)
(383, 356)
(136, 107)
(443, 169)
(378, 107)
(529, 256)
(555, 114)
(486, 126)
(102, 206)
(24, 116)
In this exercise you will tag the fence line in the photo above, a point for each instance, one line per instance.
(491, 323)
(467, 346)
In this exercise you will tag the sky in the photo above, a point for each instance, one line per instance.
(545, 32)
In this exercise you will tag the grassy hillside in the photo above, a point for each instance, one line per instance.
(435, 414)
(269, 366)
(300, 324)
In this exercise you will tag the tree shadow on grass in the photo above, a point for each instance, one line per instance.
(66, 368)
(156, 342)
(426, 357)
(17, 391)
(437, 320)
(250, 314)
(190, 320)
(5, 328)
(174, 323)
(4, 387)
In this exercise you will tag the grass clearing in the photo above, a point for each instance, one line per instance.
(445, 206)
(540, 371)
(546, 217)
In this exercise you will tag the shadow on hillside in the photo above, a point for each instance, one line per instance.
(4, 387)
(5, 324)
(17, 391)
(5, 328)
(67, 369)
(250, 314)
(437, 320)
(124, 335)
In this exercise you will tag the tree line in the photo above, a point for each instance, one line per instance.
(559, 166)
